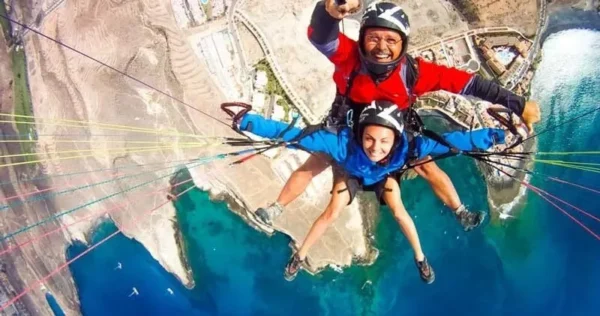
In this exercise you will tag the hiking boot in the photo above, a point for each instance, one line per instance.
(469, 220)
(293, 267)
(425, 271)
(268, 214)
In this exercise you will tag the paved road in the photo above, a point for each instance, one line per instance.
(538, 32)
(484, 30)
(41, 17)
(236, 38)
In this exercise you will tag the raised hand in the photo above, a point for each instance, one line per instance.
(340, 9)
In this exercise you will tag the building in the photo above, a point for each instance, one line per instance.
(450, 106)
(278, 113)
(523, 48)
(514, 71)
(261, 80)
(463, 105)
(258, 101)
(428, 55)
(496, 66)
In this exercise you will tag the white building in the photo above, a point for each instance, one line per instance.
(450, 106)
(258, 101)
(278, 113)
(218, 8)
(188, 18)
(261, 80)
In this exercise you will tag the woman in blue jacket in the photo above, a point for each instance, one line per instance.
(370, 161)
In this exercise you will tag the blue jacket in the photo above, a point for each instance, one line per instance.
(349, 154)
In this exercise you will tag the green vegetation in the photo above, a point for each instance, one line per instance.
(537, 60)
(21, 95)
(22, 103)
(273, 87)
(534, 66)
(285, 105)
(207, 8)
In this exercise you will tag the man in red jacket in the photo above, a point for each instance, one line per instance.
(377, 67)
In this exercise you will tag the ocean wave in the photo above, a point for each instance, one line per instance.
(568, 57)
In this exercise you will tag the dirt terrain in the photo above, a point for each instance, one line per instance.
(518, 14)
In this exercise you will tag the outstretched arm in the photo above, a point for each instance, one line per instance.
(492, 92)
(324, 30)
(433, 77)
(481, 139)
(320, 141)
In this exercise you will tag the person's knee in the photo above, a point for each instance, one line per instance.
(335, 207)
(307, 171)
(401, 216)
(429, 171)
(312, 167)
(331, 214)
(302, 173)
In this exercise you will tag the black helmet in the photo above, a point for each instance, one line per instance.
(386, 15)
(383, 113)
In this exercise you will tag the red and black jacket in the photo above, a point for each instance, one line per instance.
(324, 34)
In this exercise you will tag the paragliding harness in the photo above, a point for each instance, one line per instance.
(343, 110)
(342, 114)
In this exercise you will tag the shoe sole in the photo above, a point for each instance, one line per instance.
(426, 279)
(431, 279)
(469, 228)
(260, 220)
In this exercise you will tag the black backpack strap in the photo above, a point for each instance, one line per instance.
(413, 122)
(412, 147)
(414, 125)
(288, 128)
(355, 71)
(307, 131)
(412, 75)
(350, 82)
(412, 155)
(338, 114)
(438, 138)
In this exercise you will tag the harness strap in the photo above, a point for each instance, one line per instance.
(412, 74)
(289, 127)
(345, 107)
(419, 128)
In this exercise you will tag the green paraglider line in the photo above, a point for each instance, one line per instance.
(194, 164)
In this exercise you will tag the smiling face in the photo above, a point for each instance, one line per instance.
(382, 45)
(377, 142)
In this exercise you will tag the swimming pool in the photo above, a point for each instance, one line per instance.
(505, 54)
